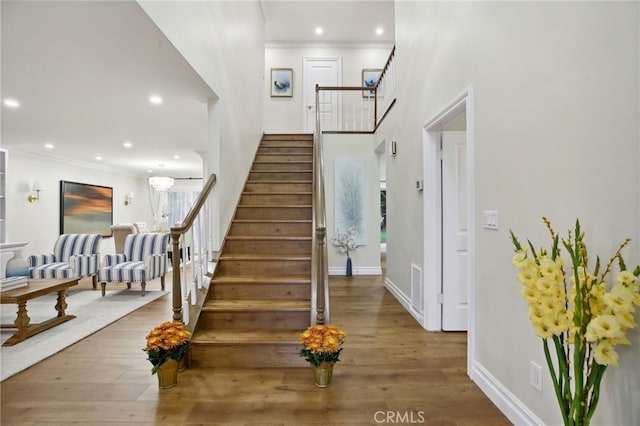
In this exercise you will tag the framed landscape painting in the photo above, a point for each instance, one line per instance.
(281, 82)
(370, 78)
(85, 209)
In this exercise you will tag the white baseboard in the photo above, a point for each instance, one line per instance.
(518, 413)
(358, 270)
(403, 299)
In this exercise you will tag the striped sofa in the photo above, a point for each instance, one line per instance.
(144, 258)
(74, 256)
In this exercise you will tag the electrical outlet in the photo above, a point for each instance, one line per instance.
(535, 376)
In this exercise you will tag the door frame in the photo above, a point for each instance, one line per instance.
(433, 216)
(305, 60)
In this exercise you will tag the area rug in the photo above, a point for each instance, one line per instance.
(92, 312)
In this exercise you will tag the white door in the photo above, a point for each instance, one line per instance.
(455, 231)
(325, 72)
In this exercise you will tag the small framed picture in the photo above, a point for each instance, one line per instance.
(281, 82)
(370, 78)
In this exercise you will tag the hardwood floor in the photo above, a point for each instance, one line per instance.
(391, 372)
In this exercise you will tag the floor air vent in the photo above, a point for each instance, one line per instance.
(416, 289)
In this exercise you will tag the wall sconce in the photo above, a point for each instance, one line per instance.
(128, 199)
(37, 187)
(393, 148)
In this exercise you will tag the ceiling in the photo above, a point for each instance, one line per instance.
(83, 73)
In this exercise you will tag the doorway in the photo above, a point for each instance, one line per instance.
(324, 72)
(448, 220)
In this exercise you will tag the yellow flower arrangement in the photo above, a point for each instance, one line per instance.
(584, 316)
(169, 340)
(322, 343)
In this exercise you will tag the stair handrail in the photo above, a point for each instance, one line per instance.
(320, 312)
(176, 232)
(386, 83)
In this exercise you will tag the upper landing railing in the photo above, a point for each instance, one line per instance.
(358, 109)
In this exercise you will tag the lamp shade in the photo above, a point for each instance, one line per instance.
(161, 183)
(37, 186)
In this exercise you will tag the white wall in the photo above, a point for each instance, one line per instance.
(230, 59)
(38, 223)
(285, 115)
(556, 102)
(366, 259)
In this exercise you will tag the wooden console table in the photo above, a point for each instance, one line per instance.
(36, 288)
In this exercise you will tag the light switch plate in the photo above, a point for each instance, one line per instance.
(490, 220)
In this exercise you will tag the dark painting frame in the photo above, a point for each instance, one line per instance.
(85, 208)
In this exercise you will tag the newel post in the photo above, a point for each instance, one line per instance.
(177, 287)
(321, 233)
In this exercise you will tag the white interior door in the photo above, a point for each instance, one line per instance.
(325, 72)
(455, 232)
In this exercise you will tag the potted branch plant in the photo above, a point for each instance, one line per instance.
(167, 344)
(574, 308)
(345, 243)
(322, 347)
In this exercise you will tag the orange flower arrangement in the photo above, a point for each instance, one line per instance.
(322, 343)
(169, 340)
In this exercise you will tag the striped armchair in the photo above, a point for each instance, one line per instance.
(74, 256)
(144, 258)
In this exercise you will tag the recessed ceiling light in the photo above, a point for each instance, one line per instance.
(11, 103)
(176, 157)
(98, 158)
(155, 99)
(319, 30)
(379, 30)
(48, 145)
(127, 144)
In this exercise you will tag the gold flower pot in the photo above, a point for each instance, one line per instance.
(168, 374)
(322, 374)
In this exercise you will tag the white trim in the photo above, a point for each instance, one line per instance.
(359, 270)
(432, 222)
(327, 44)
(26, 153)
(432, 197)
(515, 410)
(403, 299)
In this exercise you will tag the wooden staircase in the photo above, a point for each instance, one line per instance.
(259, 298)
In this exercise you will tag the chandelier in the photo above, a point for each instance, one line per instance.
(161, 183)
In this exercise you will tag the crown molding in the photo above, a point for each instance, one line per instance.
(77, 163)
(325, 44)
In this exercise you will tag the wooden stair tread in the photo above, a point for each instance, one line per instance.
(257, 279)
(281, 171)
(282, 154)
(276, 193)
(276, 181)
(246, 337)
(264, 305)
(265, 257)
(268, 238)
(272, 220)
(271, 206)
(282, 161)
